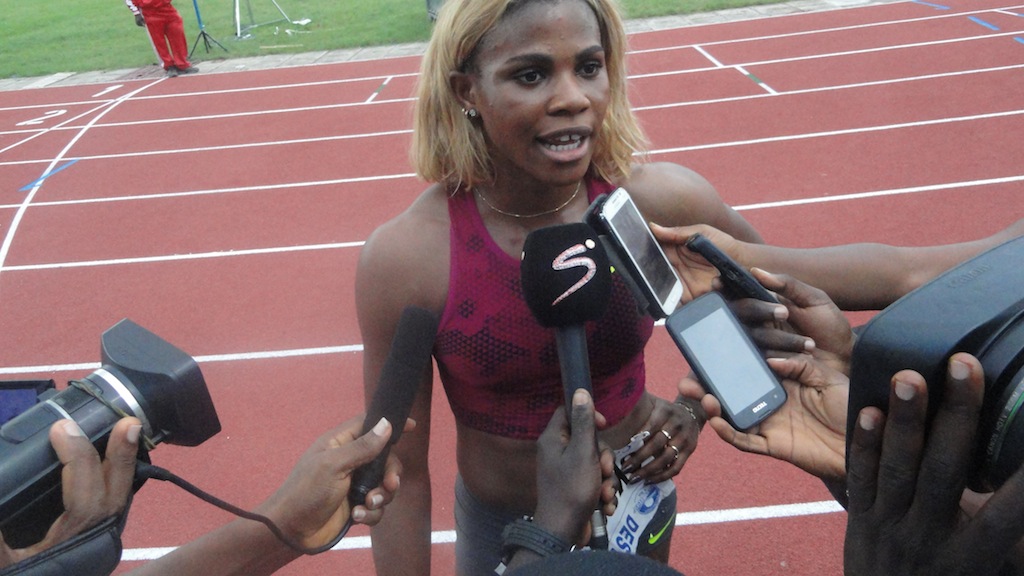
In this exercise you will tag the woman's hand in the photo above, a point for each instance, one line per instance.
(674, 429)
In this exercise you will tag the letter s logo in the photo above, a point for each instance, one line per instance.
(565, 261)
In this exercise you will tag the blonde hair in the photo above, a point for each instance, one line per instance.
(449, 149)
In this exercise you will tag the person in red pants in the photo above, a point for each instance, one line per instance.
(167, 31)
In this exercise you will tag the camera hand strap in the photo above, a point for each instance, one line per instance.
(95, 552)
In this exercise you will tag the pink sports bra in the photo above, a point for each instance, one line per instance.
(499, 367)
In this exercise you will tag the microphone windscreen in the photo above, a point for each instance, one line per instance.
(565, 274)
(399, 379)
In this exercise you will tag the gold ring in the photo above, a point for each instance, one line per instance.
(676, 450)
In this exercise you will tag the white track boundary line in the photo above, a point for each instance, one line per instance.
(235, 357)
(836, 54)
(845, 132)
(231, 190)
(682, 519)
(877, 128)
(831, 88)
(700, 48)
(16, 220)
(243, 146)
(222, 92)
(357, 244)
(181, 257)
(1005, 10)
(822, 30)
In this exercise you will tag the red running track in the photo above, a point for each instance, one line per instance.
(225, 212)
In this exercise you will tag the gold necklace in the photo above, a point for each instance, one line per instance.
(538, 214)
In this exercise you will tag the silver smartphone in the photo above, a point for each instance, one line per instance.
(726, 360)
(639, 251)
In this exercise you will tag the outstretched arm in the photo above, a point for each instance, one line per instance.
(866, 276)
(311, 507)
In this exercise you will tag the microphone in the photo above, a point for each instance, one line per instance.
(566, 278)
(567, 281)
(396, 390)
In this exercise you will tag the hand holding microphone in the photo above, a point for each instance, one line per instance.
(566, 280)
(407, 360)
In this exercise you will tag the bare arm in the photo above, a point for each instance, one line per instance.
(673, 195)
(311, 508)
(865, 276)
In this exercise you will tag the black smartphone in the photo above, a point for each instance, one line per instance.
(737, 281)
(638, 250)
(725, 360)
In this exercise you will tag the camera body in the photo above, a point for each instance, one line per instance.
(142, 376)
(976, 307)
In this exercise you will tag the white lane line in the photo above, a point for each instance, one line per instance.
(682, 519)
(180, 257)
(236, 357)
(358, 244)
(845, 132)
(16, 220)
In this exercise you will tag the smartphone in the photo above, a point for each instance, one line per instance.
(638, 250)
(726, 361)
(737, 281)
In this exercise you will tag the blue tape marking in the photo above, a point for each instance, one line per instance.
(936, 6)
(1019, 39)
(977, 20)
(33, 183)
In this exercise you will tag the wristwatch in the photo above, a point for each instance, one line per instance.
(523, 533)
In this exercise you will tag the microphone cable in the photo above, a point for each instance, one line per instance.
(144, 471)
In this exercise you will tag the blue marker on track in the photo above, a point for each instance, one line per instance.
(1019, 39)
(977, 20)
(936, 6)
(37, 181)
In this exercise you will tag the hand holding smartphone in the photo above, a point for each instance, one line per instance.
(726, 361)
(737, 280)
(635, 246)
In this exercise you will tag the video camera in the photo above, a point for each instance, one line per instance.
(977, 307)
(141, 375)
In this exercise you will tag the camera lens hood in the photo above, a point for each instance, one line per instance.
(166, 382)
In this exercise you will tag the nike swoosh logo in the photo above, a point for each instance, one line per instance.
(653, 538)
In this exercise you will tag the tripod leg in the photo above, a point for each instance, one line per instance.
(214, 40)
(207, 40)
(194, 44)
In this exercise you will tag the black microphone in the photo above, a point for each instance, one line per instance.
(566, 279)
(396, 390)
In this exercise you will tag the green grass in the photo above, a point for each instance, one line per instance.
(39, 38)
